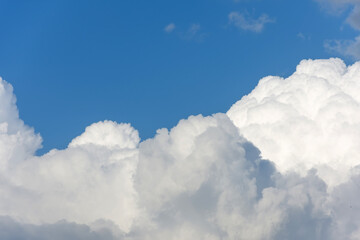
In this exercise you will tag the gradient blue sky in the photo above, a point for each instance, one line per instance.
(73, 63)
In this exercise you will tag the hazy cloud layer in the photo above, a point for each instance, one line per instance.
(345, 47)
(203, 179)
(349, 48)
(339, 6)
(62, 230)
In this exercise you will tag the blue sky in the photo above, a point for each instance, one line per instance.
(73, 63)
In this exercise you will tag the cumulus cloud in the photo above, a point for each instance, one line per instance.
(246, 22)
(308, 120)
(17, 140)
(282, 163)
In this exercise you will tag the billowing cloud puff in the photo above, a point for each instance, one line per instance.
(78, 184)
(308, 120)
(281, 164)
(108, 134)
(202, 180)
(17, 141)
(81, 184)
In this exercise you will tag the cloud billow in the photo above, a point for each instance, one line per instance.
(308, 120)
(281, 164)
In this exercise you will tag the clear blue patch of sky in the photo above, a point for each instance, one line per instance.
(73, 63)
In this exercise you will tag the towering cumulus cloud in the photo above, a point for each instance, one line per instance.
(281, 164)
(309, 120)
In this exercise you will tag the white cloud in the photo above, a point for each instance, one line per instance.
(108, 134)
(244, 21)
(202, 179)
(170, 28)
(308, 120)
(17, 140)
(82, 183)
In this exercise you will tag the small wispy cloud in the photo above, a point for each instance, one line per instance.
(246, 22)
(169, 28)
(348, 48)
(193, 33)
(303, 36)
